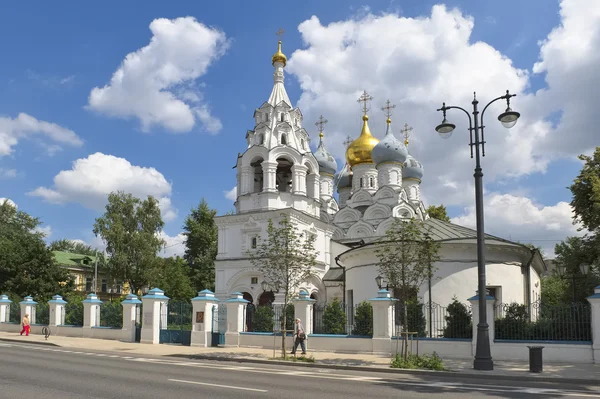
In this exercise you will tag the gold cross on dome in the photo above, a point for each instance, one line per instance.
(364, 98)
(348, 141)
(406, 133)
(320, 123)
(280, 33)
(387, 110)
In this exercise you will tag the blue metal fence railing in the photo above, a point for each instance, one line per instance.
(111, 314)
(41, 314)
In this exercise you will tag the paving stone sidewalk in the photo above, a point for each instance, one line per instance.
(574, 373)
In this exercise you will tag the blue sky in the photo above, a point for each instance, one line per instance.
(54, 54)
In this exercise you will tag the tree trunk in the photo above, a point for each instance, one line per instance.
(283, 332)
(405, 328)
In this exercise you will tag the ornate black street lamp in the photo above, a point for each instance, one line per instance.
(379, 282)
(483, 356)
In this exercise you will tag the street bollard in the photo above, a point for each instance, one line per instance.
(536, 364)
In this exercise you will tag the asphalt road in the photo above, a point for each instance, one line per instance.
(36, 371)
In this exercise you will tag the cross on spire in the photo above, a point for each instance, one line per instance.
(280, 33)
(387, 110)
(320, 123)
(405, 131)
(348, 141)
(364, 98)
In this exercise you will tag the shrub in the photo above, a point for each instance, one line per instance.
(458, 321)
(515, 324)
(413, 361)
(289, 317)
(334, 318)
(363, 320)
(111, 314)
(74, 309)
(263, 319)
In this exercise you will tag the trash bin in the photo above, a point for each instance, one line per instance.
(536, 364)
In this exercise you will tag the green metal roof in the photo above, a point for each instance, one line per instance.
(72, 259)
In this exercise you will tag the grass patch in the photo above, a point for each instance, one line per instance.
(433, 362)
(305, 359)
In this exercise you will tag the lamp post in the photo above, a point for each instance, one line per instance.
(584, 269)
(483, 356)
(379, 282)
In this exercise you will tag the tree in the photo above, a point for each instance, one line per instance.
(130, 228)
(286, 258)
(555, 290)
(75, 247)
(570, 254)
(406, 256)
(200, 233)
(334, 318)
(27, 266)
(586, 193)
(458, 321)
(172, 276)
(438, 212)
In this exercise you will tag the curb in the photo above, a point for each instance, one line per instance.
(443, 374)
(24, 341)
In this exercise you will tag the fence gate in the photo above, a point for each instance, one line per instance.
(175, 323)
(219, 324)
(138, 323)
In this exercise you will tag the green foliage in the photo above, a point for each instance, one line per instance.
(555, 290)
(111, 314)
(571, 253)
(27, 266)
(172, 276)
(363, 320)
(42, 315)
(459, 322)
(200, 233)
(263, 319)
(438, 212)
(334, 318)
(130, 228)
(74, 309)
(416, 318)
(73, 247)
(290, 321)
(411, 361)
(586, 192)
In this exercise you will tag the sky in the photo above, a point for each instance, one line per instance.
(156, 100)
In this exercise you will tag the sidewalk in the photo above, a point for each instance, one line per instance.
(568, 373)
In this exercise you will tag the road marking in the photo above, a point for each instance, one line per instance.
(217, 385)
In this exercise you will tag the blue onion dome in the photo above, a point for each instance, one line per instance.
(326, 161)
(413, 169)
(390, 149)
(344, 179)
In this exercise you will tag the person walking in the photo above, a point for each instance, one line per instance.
(26, 325)
(300, 336)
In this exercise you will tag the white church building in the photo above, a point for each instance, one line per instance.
(278, 173)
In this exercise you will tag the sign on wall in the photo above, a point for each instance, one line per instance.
(199, 317)
(148, 321)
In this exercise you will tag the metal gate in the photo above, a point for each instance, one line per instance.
(175, 323)
(138, 323)
(219, 324)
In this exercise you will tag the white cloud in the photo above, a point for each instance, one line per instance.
(231, 194)
(148, 83)
(91, 179)
(45, 230)
(25, 126)
(520, 219)
(7, 173)
(174, 245)
(10, 202)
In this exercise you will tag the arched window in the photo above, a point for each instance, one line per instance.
(361, 182)
(371, 182)
(302, 144)
(260, 139)
(282, 117)
(283, 139)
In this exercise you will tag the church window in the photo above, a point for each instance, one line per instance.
(282, 117)
(302, 144)
(361, 182)
(283, 139)
(253, 280)
(253, 242)
(371, 182)
(261, 139)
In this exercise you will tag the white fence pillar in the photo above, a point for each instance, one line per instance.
(130, 309)
(91, 311)
(4, 308)
(383, 307)
(303, 310)
(594, 300)
(28, 306)
(236, 306)
(56, 310)
(490, 318)
(202, 317)
(151, 318)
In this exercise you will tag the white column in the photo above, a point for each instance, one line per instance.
(246, 180)
(303, 310)
(91, 311)
(236, 310)
(56, 310)
(130, 308)
(594, 300)
(312, 182)
(4, 308)
(383, 306)
(411, 186)
(299, 179)
(202, 317)
(269, 175)
(28, 306)
(389, 174)
(151, 318)
(490, 318)
(325, 186)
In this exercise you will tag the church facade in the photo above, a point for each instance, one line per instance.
(279, 174)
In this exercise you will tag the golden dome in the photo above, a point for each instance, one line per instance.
(360, 150)
(279, 56)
